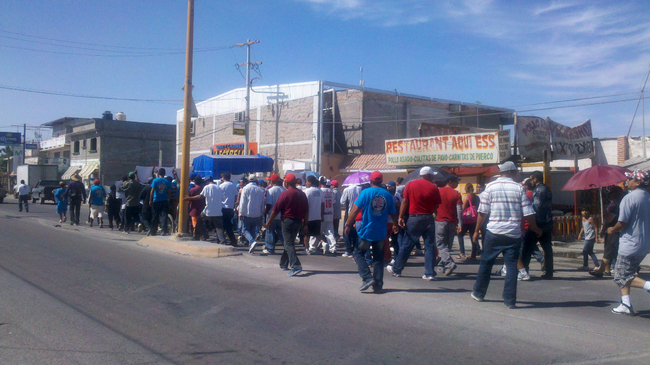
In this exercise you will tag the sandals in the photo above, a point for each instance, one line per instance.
(461, 257)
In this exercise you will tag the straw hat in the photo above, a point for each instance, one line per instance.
(75, 177)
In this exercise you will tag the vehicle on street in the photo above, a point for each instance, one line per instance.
(44, 190)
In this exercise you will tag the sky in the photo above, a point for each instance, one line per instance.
(567, 60)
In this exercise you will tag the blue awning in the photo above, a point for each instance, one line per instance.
(214, 165)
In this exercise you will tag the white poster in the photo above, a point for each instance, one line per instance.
(572, 142)
(533, 137)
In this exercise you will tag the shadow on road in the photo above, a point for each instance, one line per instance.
(566, 304)
(435, 290)
(318, 272)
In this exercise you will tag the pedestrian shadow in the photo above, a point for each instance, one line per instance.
(643, 314)
(320, 272)
(422, 290)
(566, 304)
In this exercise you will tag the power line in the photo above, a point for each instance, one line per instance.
(60, 93)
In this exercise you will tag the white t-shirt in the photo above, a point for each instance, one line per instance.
(272, 196)
(23, 189)
(328, 201)
(213, 200)
(229, 194)
(315, 198)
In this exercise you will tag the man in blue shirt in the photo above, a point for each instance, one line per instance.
(97, 196)
(159, 202)
(374, 204)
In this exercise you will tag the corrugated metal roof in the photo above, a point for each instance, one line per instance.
(366, 162)
(637, 163)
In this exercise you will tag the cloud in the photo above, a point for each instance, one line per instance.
(385, 13)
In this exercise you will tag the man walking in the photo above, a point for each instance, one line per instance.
(77, 193)
(505, 202)
(23, 196)
(159, 202)
(229, 196)
(450, 208)
(294, 207)
(376, 204)
(348, 197)
(421, 198)
(316, 207)
(131, 190)
(251, 208)
(327, 226)
(336, 221)
(213, 197)
(97, 198)
(542, 204)
(634, 242)
(274, 231)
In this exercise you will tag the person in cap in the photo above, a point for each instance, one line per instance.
(316, 208)
(327, 225)
(274, 231)
(23, 196)
(212, 198)
(251, 210)
(634, 242)
(294, 208)
(132, 190)
(420, 200)
(97, 199)
(375, 205)
(228, 211)
(503, 204)
(145, 209)
(447, 227)
(542, 204)
(159, 203)
(336, 219)
(77, 194)
(348, 197)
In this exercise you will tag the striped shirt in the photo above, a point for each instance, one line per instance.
(505, 201)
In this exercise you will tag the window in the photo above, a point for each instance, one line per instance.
(83, 144)
(192, 127)
(93, 145)
(57, 154)
(75, 148)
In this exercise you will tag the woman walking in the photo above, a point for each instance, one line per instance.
(61, 202)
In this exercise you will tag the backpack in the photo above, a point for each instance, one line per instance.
(470, 214)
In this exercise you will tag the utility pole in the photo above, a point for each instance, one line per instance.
(248, 64)
(478, 103)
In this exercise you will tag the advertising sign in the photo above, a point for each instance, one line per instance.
(236, 148)
(461, 149)
(31, 146)
(9, 138)
(239, 124)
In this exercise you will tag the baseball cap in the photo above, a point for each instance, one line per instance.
(376, 176)
(274, 177)
(290, 178)
(507, 166)
(426, 170)
(392, 183)
(334, 183)
(96, 182)
(131, 175)
(451, 177)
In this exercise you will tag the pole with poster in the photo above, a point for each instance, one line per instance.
(547, 164)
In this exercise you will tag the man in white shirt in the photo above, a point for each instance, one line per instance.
(228, 200)
(327, 226)
(348, 197)
(251, 209)
(213, 207)
(274, 232)
(316, 207)
(334, 185)
(23, 196)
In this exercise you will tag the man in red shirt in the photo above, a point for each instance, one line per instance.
(451, 207)
(421, 198)
(294, 209)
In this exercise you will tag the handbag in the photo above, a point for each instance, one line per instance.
(470, 214)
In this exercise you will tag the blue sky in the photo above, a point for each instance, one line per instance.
(515, 54)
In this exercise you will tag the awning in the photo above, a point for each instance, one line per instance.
(89, 169)
(368, 162)
(69, 172)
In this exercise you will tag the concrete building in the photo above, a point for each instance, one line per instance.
(321, 126)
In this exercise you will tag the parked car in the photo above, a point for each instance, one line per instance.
(44, 190)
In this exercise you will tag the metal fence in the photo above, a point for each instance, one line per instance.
(566, 228)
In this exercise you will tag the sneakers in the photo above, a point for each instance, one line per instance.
(476, 297)
(428, 277)
(503, 271)
(346, 255)
(294, 272)
(523, 276)
(252, 248)
(450, 270)
(267, 252)
(392, 262)
(623, 309)
(389, 268)
(366, 285)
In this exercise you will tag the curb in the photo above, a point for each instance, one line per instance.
(188, 248)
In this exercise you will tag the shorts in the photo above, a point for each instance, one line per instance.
(625, 269)
(96, 211)
(313, 228)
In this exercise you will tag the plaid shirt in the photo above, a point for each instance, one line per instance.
(505, 200)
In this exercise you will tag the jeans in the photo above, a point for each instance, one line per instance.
(228, 215)
(160, 211)
(588, 251)
(468, 228)
(273, 234)
(377, 261)
(351, 240)
(290, 229)
(336, 223)
(530, 240)
(418, 226)
(23, 199)
(75, 210)
(250, 228)
(445, 233)
(494, 245)
(217, 223)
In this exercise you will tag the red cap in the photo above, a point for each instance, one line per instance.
(290, 178)
(96, 182)
(335, 183)
(274, 177)
(376, 176)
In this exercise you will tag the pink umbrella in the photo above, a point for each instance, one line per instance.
(360, 177)
(596, 177)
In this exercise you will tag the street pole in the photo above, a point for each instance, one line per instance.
(247, 116)
(187, 120)
(478, 103)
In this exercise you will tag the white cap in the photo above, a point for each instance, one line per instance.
(426, 170)
(508, 166)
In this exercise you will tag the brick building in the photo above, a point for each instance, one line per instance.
(322, 126)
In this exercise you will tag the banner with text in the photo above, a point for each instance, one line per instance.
(461, 149)
(533, 137)
(572, 142)
(236, 148)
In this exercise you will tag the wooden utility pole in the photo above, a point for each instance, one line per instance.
(187, 120)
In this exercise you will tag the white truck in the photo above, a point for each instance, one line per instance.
(32, 174)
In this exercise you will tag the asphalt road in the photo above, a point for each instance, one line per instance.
(80, 295)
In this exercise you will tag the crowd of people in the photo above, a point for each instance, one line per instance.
(383, 222)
